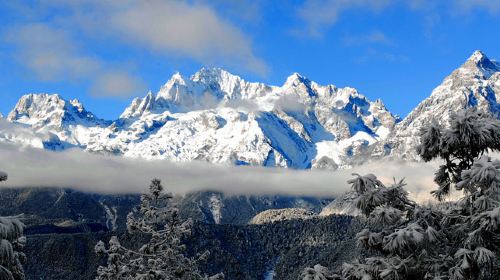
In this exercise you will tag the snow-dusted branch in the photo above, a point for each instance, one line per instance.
(448, 241)
(162, 257)
(12, 242)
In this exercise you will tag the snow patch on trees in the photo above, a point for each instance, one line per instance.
(111, 216)
(318, 272)
(418, 242)
(163, 256)
(276, 215)
(215, 206)
(12, 242)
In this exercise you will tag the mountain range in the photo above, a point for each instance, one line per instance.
(218, 117)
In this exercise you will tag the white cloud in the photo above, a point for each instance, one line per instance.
(49, 52)
(21, 135)
(54, 55)
(319, 15)
(372, 54)
(250, 11)
(187, 29)
(491, 6)
(117, 84)
(291, 103)
(191, 29)
(375, 37)
(55, 39)
(111, 174)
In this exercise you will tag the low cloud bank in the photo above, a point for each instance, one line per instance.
(28, 167)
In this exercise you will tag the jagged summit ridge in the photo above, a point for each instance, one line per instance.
(219, 117)
(50, 109)
(57, 119)
(476, 83)
(479, 65)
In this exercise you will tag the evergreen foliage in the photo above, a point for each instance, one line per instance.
(469, 134)
(461, 241)
(317, 272)
(12, 242)
(162, 257)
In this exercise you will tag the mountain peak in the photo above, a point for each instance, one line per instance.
(296, 79)
(477, 56)
(38, 97)
(210, 70)
(479, 61)
(30, 103)
(213, 74)
(176, 78)
(42, 109)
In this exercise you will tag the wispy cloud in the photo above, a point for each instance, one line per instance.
(189, 29)
(491, 6)
(372, 54)
(117, 83)
(54, 55)
(453, 7)
(21, 135)
(249, 11)
(319, 15)
(49, 52)
(112, 174)
(56, 39)
(375, 37)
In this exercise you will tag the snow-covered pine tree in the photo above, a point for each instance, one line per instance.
(162, 257)
(318, 272)
(469, 135)
(11, 243)
(409, 241)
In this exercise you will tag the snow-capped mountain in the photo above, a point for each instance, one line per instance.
(60, 123)
(16, 134)
(475, 83)
(219, 117)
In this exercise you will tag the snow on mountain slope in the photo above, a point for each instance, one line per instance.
(218, 117)
(475, 83)
(68, 123)
(18, 134)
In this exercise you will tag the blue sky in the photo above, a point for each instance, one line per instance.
(107, 52)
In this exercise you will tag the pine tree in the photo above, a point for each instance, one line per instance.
(461, 241)
(469, 135)
(12, 242)
(162, 257)
(318, 272)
